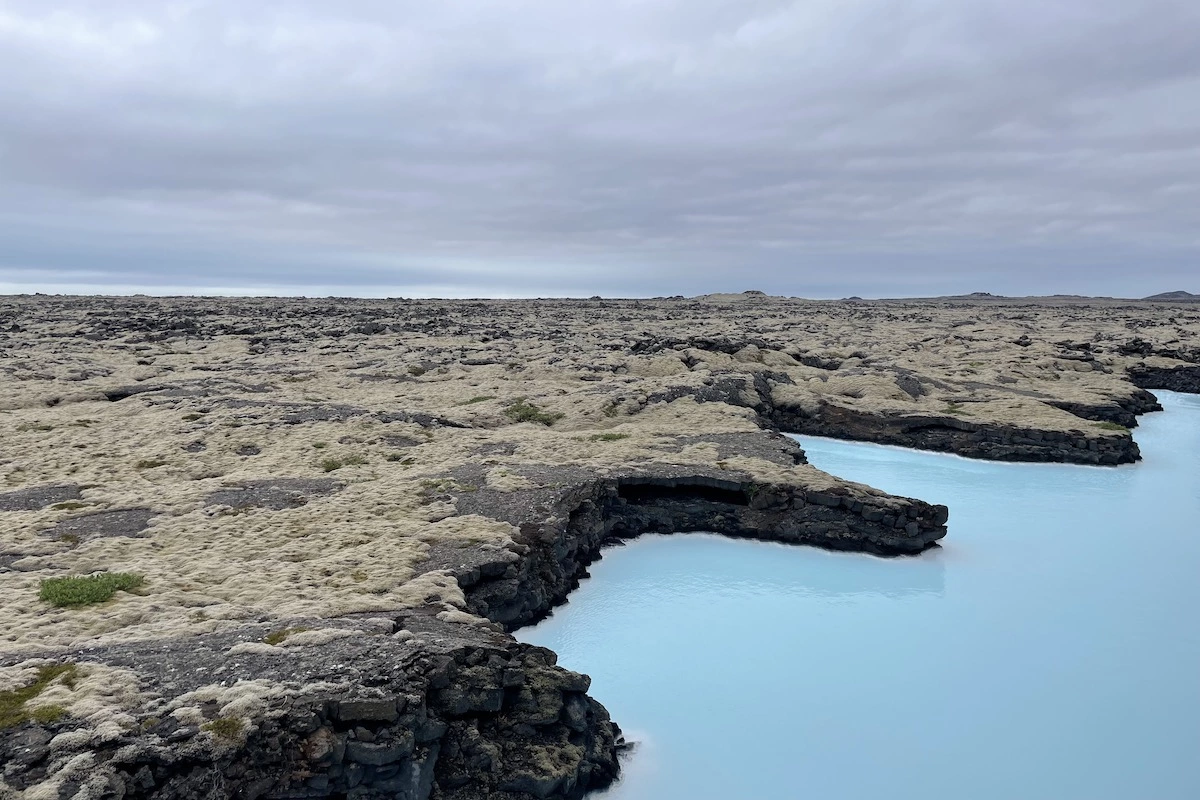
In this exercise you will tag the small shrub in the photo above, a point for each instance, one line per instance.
(1112, 426)
(84, 590)
(331, 464)
(12, 701)
(521, 411)
(483, 398)
(149, 463)
(277, 637)
(227, 728)
(608, 437)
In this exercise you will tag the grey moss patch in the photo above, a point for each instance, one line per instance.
(101, 524)
(274, 493)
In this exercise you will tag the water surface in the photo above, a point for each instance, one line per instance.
(1050, 649)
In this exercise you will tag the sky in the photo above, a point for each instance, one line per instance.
(823, 148)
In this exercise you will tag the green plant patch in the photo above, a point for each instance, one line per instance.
(1112, 426)
(150, 463)
(12, 702)
(608, 437)
(86, 590)
(228, 728)
(483, 398)
(521, 411)
(69, 505)
(277, 637)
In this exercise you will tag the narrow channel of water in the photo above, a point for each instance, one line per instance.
(1049, 650)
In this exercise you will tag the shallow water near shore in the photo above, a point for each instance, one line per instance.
(1049, 649)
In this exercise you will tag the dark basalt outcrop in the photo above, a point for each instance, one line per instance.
(952, 434)
(1173, 379)
(1124, 411)
(413, 707)
(565, 532)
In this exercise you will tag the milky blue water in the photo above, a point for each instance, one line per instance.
(1050, 649)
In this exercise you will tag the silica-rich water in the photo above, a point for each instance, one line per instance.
(1050, 649)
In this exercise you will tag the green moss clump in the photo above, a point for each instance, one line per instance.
(331, 464)
(607, 437)
(277, 637)
(228, 728)
(482, 398)
(149, 463)
(86, 590)
(48, 714)
(69, 505)
(1112, 426)
(521, 411)
(12, 702)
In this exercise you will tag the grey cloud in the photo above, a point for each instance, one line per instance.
(536, 147)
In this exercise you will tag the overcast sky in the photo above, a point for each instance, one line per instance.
(618, 147)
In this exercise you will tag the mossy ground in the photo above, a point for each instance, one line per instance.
(13, 710)
(446, 386)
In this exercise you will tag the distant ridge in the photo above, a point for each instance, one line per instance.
(1174, 297)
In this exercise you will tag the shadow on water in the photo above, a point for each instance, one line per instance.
(779, 569)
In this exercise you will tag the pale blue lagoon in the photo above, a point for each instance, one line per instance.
(1050, 648)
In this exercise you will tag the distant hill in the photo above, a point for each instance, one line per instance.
(1175, 297)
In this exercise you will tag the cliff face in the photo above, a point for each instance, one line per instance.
(405, 708)
(966, 437)
(1174, 378)
(583, 519)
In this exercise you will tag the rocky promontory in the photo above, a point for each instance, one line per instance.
(275, 548)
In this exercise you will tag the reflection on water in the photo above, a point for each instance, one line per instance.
(1047, 650)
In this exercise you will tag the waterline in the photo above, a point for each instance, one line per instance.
(1045, 651)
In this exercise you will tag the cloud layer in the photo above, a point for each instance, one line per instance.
(818, 148)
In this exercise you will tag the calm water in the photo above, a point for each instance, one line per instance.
(1050, 649)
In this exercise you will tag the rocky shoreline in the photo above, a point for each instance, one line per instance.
(430, 703)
